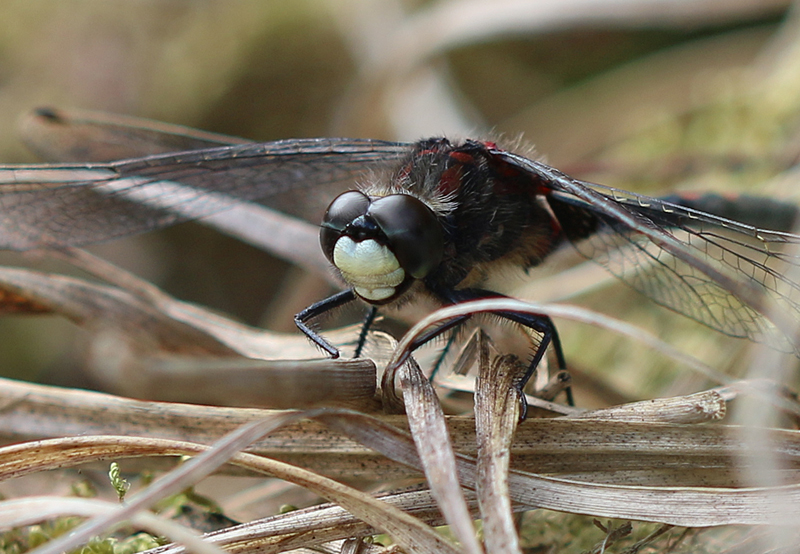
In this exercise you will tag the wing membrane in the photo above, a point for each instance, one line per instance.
(719, 272)
(67, 206)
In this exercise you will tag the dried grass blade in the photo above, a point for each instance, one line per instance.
(598, 450)
(30, 510)
(497, 410)
(405, 529)
(429, 429)
(694, 408)
(326, 523)
(148, 344)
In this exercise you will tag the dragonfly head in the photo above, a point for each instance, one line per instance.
(381, 244)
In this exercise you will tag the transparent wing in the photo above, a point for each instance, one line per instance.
(59, 205)
(717, 271)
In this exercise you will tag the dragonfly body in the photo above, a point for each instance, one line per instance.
(482, 209)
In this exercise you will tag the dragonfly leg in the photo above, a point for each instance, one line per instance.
(441, 357)
(365, 327)
(540, 323)
(317, 309)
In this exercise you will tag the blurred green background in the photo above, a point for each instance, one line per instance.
(647, 96)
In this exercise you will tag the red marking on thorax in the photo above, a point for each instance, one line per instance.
(450, 181)
(513, 180)
(510, 180)
(462, 157)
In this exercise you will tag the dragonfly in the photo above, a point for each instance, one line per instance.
(433, 217)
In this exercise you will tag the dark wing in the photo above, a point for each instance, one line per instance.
(733, 277)
(72, 205)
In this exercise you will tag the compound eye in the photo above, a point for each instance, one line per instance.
(413, 230)
(341, 212)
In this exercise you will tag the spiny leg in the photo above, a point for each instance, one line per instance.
(540, 323)
(317, 309)
(365, 327)
(442, 355)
